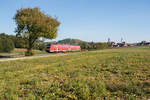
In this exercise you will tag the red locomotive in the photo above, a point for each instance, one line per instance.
(62, 48)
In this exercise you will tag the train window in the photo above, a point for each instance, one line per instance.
(63, 46)
(48, 46)
(54, 46)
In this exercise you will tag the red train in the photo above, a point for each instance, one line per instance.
(62, 48)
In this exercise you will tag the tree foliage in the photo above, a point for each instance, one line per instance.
(33, 24)
(6, 44)
(40, 46)
(19, 42)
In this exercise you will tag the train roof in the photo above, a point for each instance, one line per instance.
(64, 45)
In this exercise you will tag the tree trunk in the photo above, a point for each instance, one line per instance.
(29, 51)
(29, 48)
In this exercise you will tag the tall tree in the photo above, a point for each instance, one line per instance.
(33, 24)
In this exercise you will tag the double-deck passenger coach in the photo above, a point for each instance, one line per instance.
(62, 48)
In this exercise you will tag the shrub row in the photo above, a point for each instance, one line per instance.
(6, 45)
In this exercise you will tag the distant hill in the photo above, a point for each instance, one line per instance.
(70, 41)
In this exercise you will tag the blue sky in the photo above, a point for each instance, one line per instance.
(89, 20)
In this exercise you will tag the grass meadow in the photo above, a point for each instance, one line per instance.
(113, 74)
(21, 52)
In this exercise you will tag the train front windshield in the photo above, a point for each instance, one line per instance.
(48, 46)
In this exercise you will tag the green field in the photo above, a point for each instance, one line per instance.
(111, 74)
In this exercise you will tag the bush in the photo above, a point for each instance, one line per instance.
(84, 45)
(29, 53)
(17, 41)
(6, 45)
(39, 46)
(93, 46)
(101, 45)
(42, 47)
